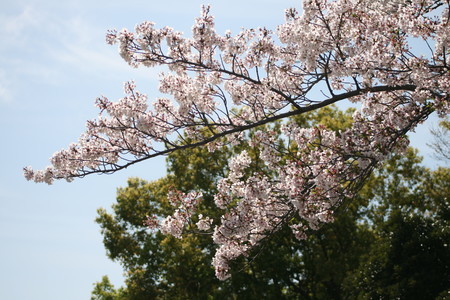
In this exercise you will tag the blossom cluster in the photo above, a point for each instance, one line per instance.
(186, 205)
(221, 86)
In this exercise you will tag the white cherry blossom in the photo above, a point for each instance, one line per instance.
(221, 86)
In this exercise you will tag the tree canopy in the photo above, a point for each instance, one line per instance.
(248, 89)
(390, 241)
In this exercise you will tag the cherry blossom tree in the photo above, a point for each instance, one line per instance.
(222, 88)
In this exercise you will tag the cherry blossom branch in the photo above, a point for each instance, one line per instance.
(220, 87)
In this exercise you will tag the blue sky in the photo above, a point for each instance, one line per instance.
(53, 64)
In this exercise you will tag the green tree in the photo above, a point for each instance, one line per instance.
(410, 219)
(104, 290)
(401, 207)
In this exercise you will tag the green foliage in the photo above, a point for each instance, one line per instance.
(328, 116)
(390, 241)
(445, 124)
(104, 290)
(409, 217)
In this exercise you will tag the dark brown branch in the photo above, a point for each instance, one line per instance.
(280, 116)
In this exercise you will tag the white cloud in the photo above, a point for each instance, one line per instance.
(54, 46)
(83, 47)
(54, 43)
(12, 27)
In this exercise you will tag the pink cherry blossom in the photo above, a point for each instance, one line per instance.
(221, 86)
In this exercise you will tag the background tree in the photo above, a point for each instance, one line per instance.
(246, 88)
(410, 217)
(398, 222)
(104, 290)
(441, 143)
